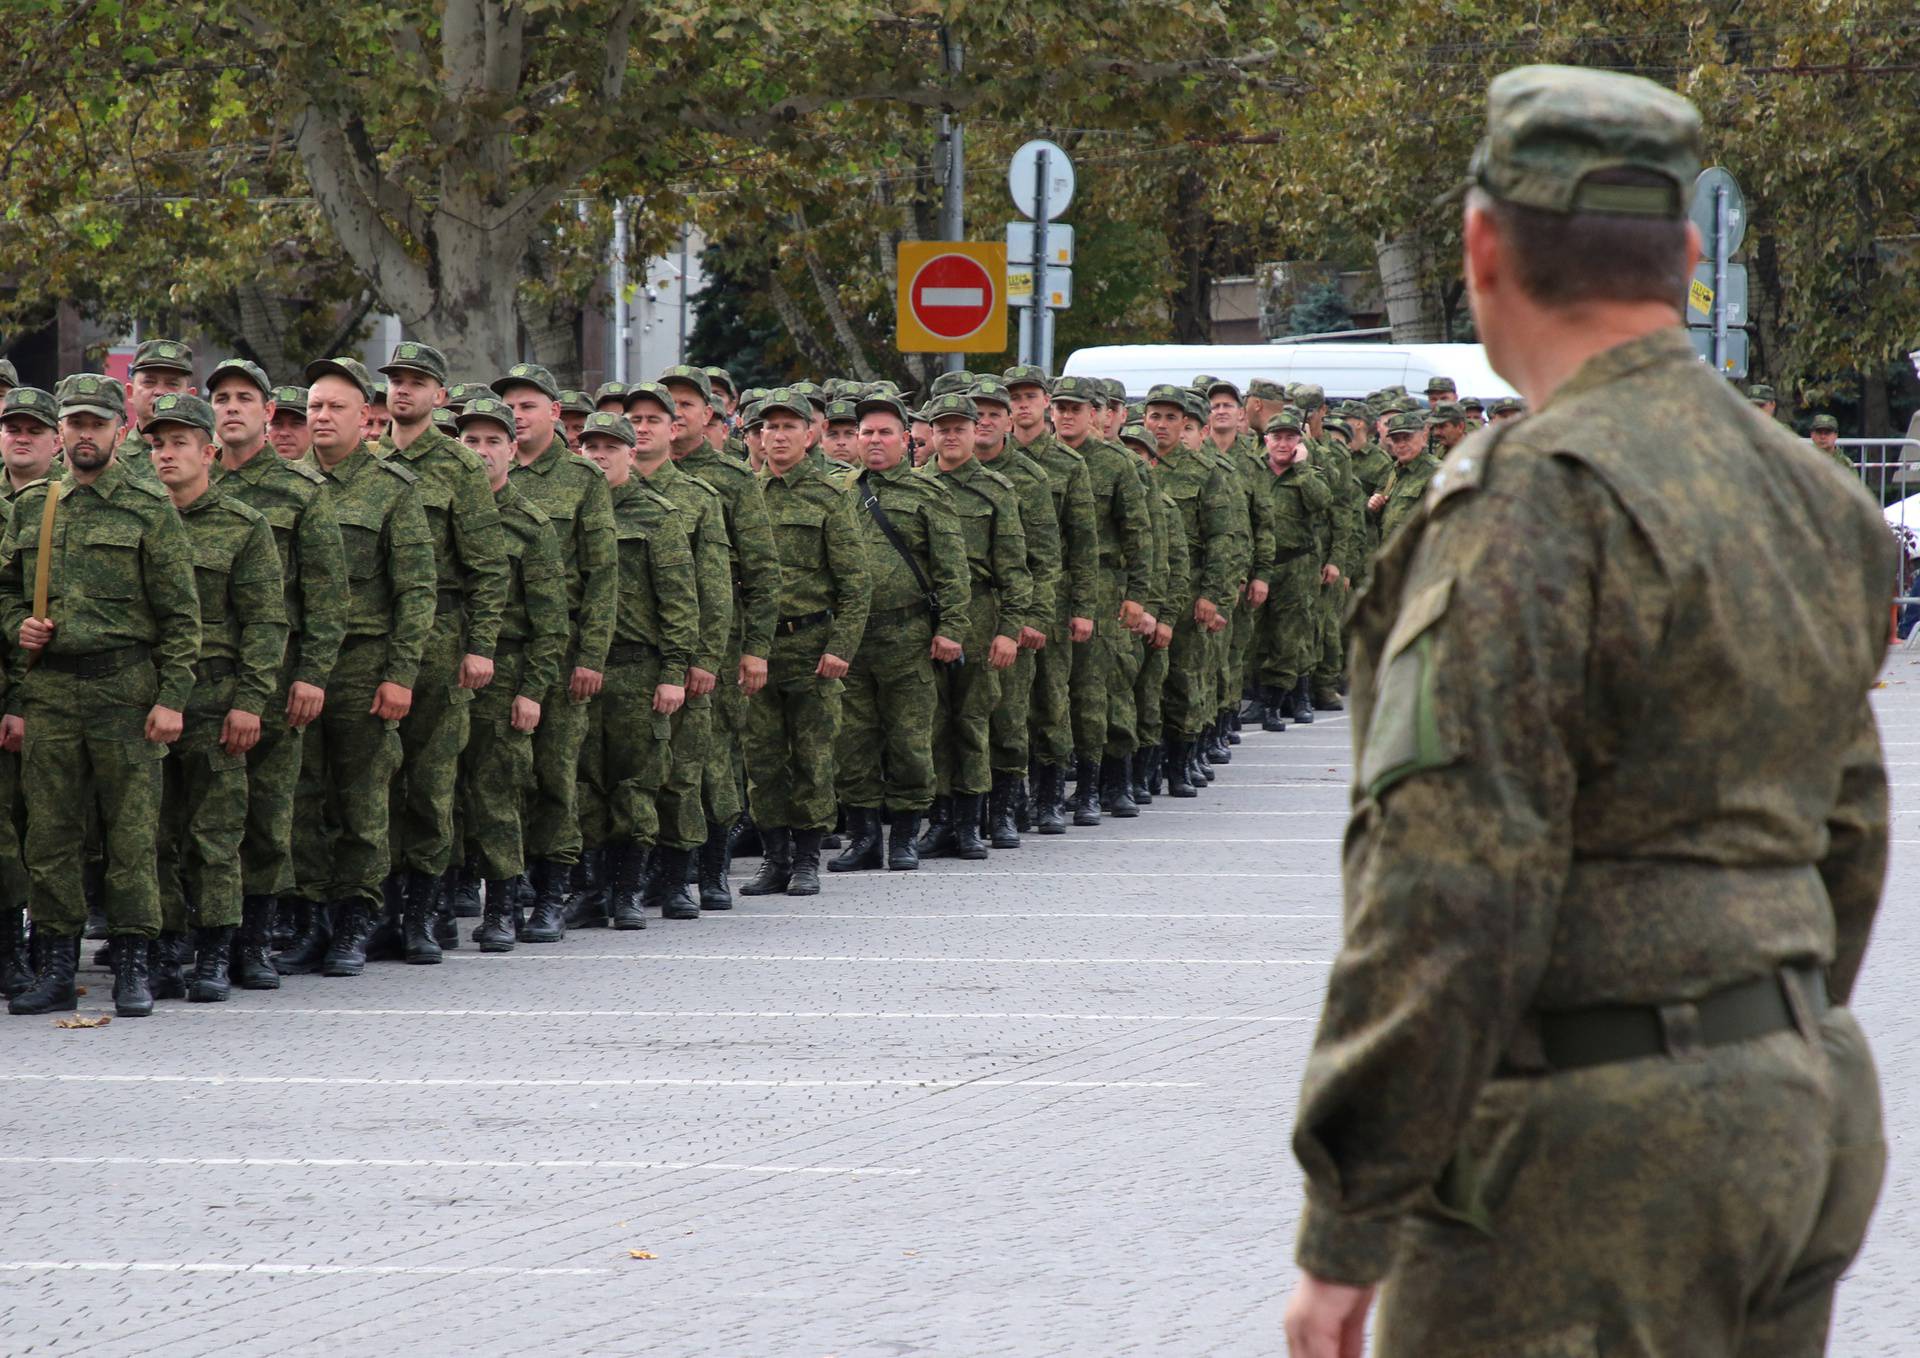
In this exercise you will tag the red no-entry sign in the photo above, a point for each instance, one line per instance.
(951, 297)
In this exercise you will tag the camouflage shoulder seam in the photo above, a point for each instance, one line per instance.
(1465, 470)
(301, 469)
(145, 487)
(998, 478)
(399, 469)
(574, 459)
(240, 509)
(533, 511)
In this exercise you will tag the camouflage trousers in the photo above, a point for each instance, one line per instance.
(1240, 646)
(966, 700)
(680, 803)
(1331, 663)
(623, 757)
(1659, 1208)
(496, 774)
(720, 781)
(1009, 723)
(1187, 704)
(1101, 676)
(203, 819)
(431, 739)
(87, 764)
(13, 823)
(1050, 713)
(347, 762)
(553, 804)
(1149, 695)
(788, 738)
(883, 757)
(273, 774)
(1288, 639)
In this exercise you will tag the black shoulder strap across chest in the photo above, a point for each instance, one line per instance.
(870, 502)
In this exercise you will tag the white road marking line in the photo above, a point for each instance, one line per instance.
(738, 917)
(1209, 811)
(281, 1011)
(662, 1082)
(284, 1270)
(316, 1162)
(971, 871)
(1199, 839)
(967, 961)
(1325, 784)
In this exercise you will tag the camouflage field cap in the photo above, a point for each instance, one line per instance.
(490, 409)
(31, 403)
(842, 389)
(1266, 389)
(948, 382)
(1473, 406)
(462, 392)
(1441, 386)
(1822, 424)
(240, 367)
(574, 402)
(1166, 394)
(1309, 396)
(177, 407)
(1551, 127)
(1353, 410)
(611, 425)
(1116, 390)
(1404, 405)
(1336, 429)
(784, 399)
(840, 410)
(9, 375)
(754, 394)
(816, 397)
(1760, 391)
(1083, 390)
(883, 389)
(1137, 433)
(655, 392)
(612, 391)
(1287, 421)
(1406, 422)
(526, 375)
(290, 401)
(415, 357)
(92, 393)
(688, 376)
(1027, 375)
(1509, 405)
(170, 354)
(1136, 411)
(991, 389)
(1445, 412)
(949, 405)
(1396, 392)
(444, 420)
(380, 393)
(350, 368)
(719, 379)
(1212, 386)
(882, 405)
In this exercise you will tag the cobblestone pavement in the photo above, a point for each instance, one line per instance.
(1034, 1107)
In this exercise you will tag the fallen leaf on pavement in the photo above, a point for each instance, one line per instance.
(641, 1254)
(75, 1021)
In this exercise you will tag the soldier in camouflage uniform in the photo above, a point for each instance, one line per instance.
(103, 689)
(340, 846)
(470, 596)
(822, 613)
(287, 430)
(1300, 509)
(1585, 1081)
(243, 635)
(572, 493)
(1227, 432)
(1414, 466)
(916, 619)
(496, 768)
(1825, 436)
(1169, 586)
(1335, 465)
(159, 366)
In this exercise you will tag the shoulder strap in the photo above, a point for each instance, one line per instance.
(870, 502)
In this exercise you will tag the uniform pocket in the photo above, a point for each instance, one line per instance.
(360, 537)
(104, 560)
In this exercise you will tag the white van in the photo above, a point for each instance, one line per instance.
(1345, 371)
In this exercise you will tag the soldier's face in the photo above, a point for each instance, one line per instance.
(1072, 420)
(287, 432)
(181, 455)
(1505, 415)
(336, 416)
(1404, 446)
(149, 383)
(784, 439)
(694, 412)
(572, 422)
(1225, 413)
(955, 439)
(88, 440)
(1191, 434)
(1116, 419)
(535, 416)
(995, 420)
(610, 455)
(1163, 422)
(1826, 440)
(883, 442)
(1282, 446)
(412, 397)
(654, 428)
(1029, 407)
(377, 417)
(28, 447)
(842, 441)
(493, 445)
(240, 412)
(1451, 432)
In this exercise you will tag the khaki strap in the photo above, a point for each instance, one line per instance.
(43, 561)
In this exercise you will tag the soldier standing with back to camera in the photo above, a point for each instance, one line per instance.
(1585, 1080)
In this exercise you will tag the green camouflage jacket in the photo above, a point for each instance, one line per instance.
(659, 601)
(572, 493)
(389, 557)
(243, 610)
(535, 623)
(292, 497)
(469, 553)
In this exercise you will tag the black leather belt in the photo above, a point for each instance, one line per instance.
(631, 652)
(96, 664)
(448, 600)
(218, 668)
(887, 616)
(359, 639)
(786, 627)
(1793, 997)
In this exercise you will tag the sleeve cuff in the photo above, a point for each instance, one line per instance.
(406, 676)
(1355, 1251)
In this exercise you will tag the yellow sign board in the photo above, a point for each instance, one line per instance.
(1700, 298)
(950, 297)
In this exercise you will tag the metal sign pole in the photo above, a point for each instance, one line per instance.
(1038, 356)
(1720, 278)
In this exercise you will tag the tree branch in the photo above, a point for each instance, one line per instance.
(400, 279)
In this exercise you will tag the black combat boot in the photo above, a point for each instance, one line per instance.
(1200, 768)
(168, 957)
(863, 852)
(1049, 810)
(209, 983)
(716, 856)
(588, 906)
(1303, 701)
(1086, 793)
(352, 927)
(629, 887)
(416, 920)
(251, 964)
(747, 842)
(384, 943)
(776, 863)
(1023, 804)
(499, 919)
(667, 884)
(93, 885)
(938, 841)
(1116, 789)
(1179, 764)
(16, 963)
(466, 889)
(903, 847)
(805, 880)
(1232, 719)
(968, 843)
(546, 920)
(312, 936)
(446, 924)
(131, 996)
(1326, 698)
(1139, 767)
(1002, 827)
(51, 990)
(1156, 769)
(1275, 718)
(1256, 708)
(1219, 751)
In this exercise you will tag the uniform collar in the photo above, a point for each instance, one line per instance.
(1666, 345)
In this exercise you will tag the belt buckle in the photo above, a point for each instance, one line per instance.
(1798, 1006)
(1680, 1031)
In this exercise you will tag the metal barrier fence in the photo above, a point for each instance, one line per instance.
(1895, 460)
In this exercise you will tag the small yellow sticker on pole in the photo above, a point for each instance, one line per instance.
(1700, 298)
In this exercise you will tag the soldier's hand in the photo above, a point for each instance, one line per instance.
(13, 734)
(476, 671)
(1162, 636)
(240, 732)
(1327, 1320)
(1131, 614)
(304, 702)
(1205, 611)
(700, 682)
(1032, 639)
(1256, 592)
(1003, 652)
(584, 684)
(1079, 629)
(524, 715)
(831, 666)
(35, 633)
(1329, 573)
(164, 725)
(391, 702)
(1376, 503)
(668, 699)
(945, 650)
(753, 674)
(1148, 625)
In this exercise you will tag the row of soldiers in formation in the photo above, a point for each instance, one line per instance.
(297, 677)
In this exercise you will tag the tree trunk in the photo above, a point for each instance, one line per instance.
(1412, 305)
